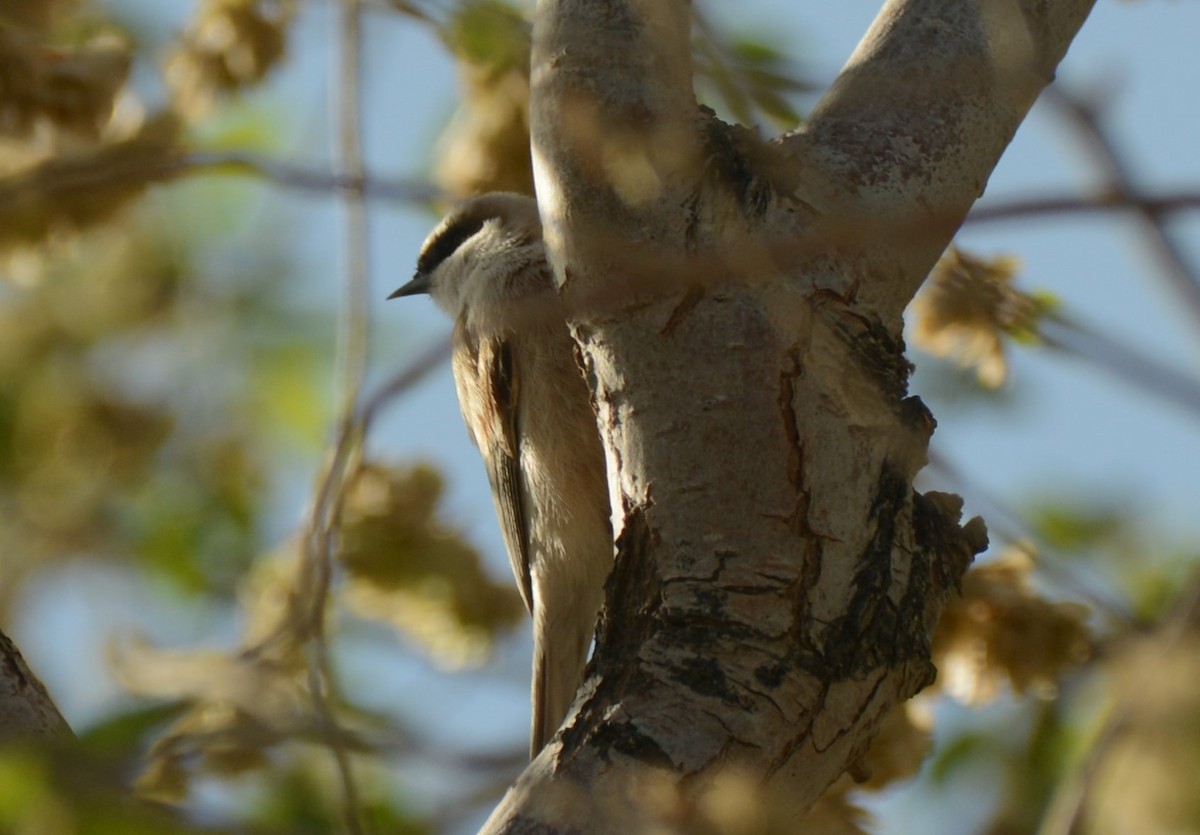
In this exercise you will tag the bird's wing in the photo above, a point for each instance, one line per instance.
(489, 393)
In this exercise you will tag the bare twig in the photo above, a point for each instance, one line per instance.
(300, 177)
(1121, 361)
(303, 178)
(1084, 118)
(355, 245)
(404, 379)
(352, 355)
(1025, 208)
(325, 504)
(411, 8)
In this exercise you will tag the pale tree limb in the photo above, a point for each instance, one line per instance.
(737, 305)
(26, 709)
(909, 133)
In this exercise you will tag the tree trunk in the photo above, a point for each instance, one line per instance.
(738, 308)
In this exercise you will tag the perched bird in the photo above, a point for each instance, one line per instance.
(528, 409)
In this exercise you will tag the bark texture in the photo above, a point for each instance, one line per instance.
(26, 709)
(738, 307)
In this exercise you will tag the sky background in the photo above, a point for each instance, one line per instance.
(1068, 430)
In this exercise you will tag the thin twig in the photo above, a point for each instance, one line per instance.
(355, 245)
(324, 510)
(1165, 247)
(413, 10)
(319, 545)
(1026, 208)
(404, 379)
(303, 178)
(299, 177)
(1120, 361)
(352, 354)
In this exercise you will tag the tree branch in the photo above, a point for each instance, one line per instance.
(26, 709)
(904, 142)
(737, 306)
(303, 178)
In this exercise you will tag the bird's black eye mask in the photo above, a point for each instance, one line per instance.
(446, 242)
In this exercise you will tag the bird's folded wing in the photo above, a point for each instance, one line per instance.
(488, 383)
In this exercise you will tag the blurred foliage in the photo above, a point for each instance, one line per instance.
(35, 15)
(746, 78)
(485, 146)
(967, 309)
(1001, 630)
(59, 92)
(73, 192)
(228, 46)
(1080, 529)
(1145, 766)
(94, 466)
(301, 803)
(405, 567)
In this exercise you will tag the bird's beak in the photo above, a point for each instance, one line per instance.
(418, 285)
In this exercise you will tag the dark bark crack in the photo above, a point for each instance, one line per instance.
(875, 351)
(795, 445)
(686, 305)
(862, 638)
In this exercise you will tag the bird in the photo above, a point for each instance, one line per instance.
(528, 409)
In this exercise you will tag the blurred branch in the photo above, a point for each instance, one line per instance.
(1025, 208)
(342, 449)
(404, 379)
(410, 8)
(352, 357)
(303, 178)
(26, 709)
(1083, 116)
(355, 322)
(308, 618)
(1007, 525)
(1120, 361)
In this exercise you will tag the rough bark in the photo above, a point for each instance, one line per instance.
(26, 709)
(738, 307)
